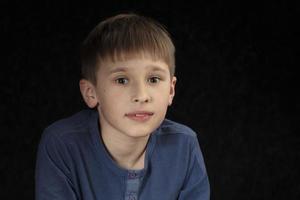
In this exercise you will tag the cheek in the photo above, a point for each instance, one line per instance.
(117, 97)
(165, 92)
(113, 97)
(162, 98)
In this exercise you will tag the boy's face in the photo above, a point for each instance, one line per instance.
(133, 96)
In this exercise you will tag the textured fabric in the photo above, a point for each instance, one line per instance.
(73, 163)
(133, 183)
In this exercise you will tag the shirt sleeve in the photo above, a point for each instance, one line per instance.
(52, 174)
(196, 186)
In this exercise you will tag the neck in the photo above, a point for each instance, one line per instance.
(128, 152)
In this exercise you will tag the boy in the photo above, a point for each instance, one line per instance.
(124, 148)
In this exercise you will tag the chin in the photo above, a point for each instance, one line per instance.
(139, 134)
(143, 129)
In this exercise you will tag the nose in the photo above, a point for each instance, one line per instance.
(141, 94)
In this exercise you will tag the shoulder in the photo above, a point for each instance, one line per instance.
(169, 127)
(181, 139)
(61, 141)
(176, 134)
(69, 127)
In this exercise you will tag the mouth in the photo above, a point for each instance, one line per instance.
(139, 116)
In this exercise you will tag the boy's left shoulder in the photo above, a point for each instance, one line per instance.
(171, 127)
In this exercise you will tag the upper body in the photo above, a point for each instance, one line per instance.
(128, 67)
(73, 163)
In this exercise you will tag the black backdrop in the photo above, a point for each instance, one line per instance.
(236, 86)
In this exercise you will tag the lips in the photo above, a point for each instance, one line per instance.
(140, 116)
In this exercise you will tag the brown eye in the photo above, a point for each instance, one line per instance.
(122, 81)
(154, 79)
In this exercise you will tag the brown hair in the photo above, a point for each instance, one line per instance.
(122, 37)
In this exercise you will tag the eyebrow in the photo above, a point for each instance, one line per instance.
(124, 69)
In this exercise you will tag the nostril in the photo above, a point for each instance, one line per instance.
(146, 100)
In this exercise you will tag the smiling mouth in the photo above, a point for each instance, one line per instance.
(139, 116)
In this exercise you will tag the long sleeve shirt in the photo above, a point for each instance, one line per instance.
(73, 164)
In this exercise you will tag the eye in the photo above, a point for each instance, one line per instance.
(154, 79)
(121, 81)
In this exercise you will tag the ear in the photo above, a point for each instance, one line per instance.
(172, 90)
(88, 93)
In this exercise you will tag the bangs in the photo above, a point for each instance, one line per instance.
(124, 37)
(134, 41)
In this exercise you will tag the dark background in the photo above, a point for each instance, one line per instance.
(236, 86)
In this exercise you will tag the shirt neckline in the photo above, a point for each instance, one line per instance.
(102, 155)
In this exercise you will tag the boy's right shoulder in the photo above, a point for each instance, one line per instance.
(76, 124)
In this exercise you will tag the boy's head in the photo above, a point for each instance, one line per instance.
(123, 37)
(128, 69)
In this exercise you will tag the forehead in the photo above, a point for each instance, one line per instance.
(134, 63)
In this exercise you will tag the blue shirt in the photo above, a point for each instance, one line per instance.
(73, 163)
